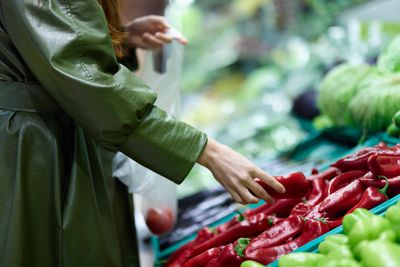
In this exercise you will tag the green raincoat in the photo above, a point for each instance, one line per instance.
(66, 106)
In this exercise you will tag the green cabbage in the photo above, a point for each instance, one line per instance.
(338, 88)
(389, 60)
(375, 104)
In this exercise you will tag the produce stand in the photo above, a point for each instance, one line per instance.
(297, 161)
(379, 210)
(318, 150)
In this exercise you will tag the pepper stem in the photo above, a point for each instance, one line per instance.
(241, 217)
(322, 219)
(384, 189)
(241, 246)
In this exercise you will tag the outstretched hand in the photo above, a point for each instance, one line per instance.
(151, 32)
(237, 174)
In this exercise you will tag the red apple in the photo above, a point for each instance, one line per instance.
(160, 220)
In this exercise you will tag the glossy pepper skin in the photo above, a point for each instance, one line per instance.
(277, 234)
(341, 252)
(325, 175)
(344, 179)
(393, 187)
(340, 262)
(300, 260)
(393, 215)
(204, 258)
(332, 242)
(368, 229)
(251, 264)
(343, 199)
(359, 160)
(228, 257)
(179, 257)
(371, 198)
(385, 165)
(317, 193)
(248, 228)
(281, 208)
(296, 186)
(312, 229)
(300, 209)
(380, 253)
(351, 219)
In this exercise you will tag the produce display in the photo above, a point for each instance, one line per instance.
(368, 241)
(310, 207)
(394, 128)
(363, 96)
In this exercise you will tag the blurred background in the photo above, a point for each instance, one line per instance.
(251, 75)
(249, 60)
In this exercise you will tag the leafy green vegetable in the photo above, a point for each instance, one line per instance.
(374, 106)
(389, 60)
(338, 88)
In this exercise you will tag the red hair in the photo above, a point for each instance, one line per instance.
(112, 11)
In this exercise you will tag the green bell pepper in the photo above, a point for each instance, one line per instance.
(301, 259)
(332, 242)
(396, 119)
(346, 262)
(380, 253)
(350, 219)
(368, 229)
(251, 264)
(393, 215)
(388, 236)
(341, 252)
(393, 130)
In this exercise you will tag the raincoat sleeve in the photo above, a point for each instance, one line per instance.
(67, 46)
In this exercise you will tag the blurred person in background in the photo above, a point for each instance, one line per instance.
(66, 107)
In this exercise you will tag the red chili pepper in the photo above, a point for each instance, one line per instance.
(332, 222)
(301, 209)
(277, 234)
(343, 179)
(386, 165)
(296, 186)
(394, 184)
(325, 175)
(312, 229)
(231, 255)
(204, 258)
(181, 255)
(354, 162)
(248, 228)
(314, 171)
(359, 160)
(372, 197)
(343, 199)
(281, 208)
(317, 193)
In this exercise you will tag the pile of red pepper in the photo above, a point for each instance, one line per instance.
(309, 208)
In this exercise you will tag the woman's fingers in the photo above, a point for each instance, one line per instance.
(236, 197)
(257, 190)
(165, 38)
(269, 180)
(152, 41)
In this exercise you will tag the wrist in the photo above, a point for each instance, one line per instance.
(209, 153)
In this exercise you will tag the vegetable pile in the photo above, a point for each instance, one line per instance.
(362, 96)
(368, 241)
(309, 208)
